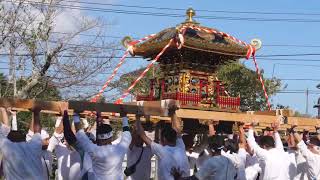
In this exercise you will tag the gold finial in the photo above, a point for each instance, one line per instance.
(190, 13)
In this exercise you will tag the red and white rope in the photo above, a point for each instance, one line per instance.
(250, 50)
(261, 81)
(142, 39)
(126, 93)
(96, 97)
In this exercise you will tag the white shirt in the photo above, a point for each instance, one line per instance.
(192, 158)
(69, 161)
(242, 156)
(312, 160)
(252, 167)
(46, 161)
(5, 131)
(171, 157)
(107, 159)
(203, 156)
(274, 163)
(143, 168)
(217, 167)
(301, 165)
(21, 161)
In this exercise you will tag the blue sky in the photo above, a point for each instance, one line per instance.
(271, 33)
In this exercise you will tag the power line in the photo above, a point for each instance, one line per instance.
(306, 65)
(291, 45)
(284, 92)
(91, 35)
(285, 55)
(146, 13)
(97, 57)
(287, 59)
(297, 79)
(199, 10)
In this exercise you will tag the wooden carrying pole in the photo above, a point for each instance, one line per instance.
(79, 106)
(156, 109)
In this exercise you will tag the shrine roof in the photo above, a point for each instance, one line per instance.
(191, 36)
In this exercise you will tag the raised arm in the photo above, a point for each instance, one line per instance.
(14, 125)
(125, 120)
(140, 129)
(57, 135)
(4, 117)
(306, 153)
(36, 120)
(68, 134)
(126, 135)
(175, 121)
(277, 138)
(4, 127)
(261, 153)
(242, 137)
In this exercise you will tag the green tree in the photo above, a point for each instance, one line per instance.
(38, 92)
(142, 87)
(242, 81)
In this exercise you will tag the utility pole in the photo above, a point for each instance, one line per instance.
(318, 105)
(307, 100)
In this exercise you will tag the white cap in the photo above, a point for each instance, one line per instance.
(106, 121)
(44, 134)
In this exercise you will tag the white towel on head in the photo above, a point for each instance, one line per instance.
(106, 121)
(44, 134)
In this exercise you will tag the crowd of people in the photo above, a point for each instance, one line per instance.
(89, 152)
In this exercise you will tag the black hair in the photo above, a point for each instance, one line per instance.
(104, 128)
(169, 134)
(314, 140)
(267, 141)
(231, 145)
(188, 140)
(216, 143)
(16, 136)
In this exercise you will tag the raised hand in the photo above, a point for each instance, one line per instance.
(68, 134)
(139, 114)
(63, 107)
(123, 112)
(172, 109)
(275, 126)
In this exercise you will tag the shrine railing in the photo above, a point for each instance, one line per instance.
(184, 98)
(225, 102)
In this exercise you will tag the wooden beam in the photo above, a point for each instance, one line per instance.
(157, 110)
(116, 108)
(241, 117)
(26, 104)
(80, 106)
(284, 112)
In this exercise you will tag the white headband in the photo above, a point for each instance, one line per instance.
(219, 148)
(105, 136)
